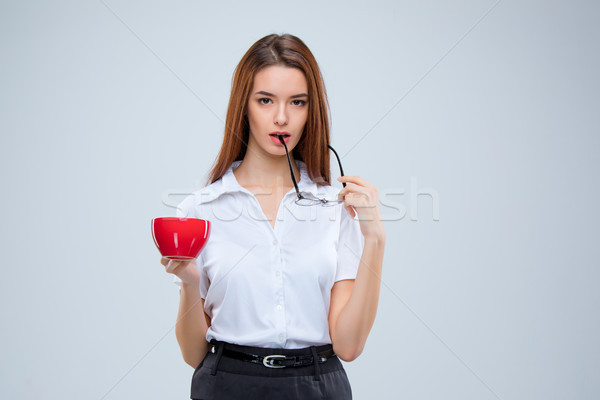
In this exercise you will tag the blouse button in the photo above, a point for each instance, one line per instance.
(274, 242)
(278, 273)
(279, 307)
(281, 337)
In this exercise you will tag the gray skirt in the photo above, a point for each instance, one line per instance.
(219, 377)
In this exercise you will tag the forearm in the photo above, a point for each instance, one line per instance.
(358, 315)
(191, 325)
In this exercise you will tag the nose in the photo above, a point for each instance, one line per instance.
(281, 115)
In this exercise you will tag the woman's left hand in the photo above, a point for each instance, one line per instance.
(361, 196)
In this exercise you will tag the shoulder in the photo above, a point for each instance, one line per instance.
(191, 204)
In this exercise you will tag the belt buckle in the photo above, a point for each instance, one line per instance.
(266, 360)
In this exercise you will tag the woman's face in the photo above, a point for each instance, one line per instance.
(278, 102)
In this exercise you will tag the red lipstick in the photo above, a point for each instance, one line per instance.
(275, 139)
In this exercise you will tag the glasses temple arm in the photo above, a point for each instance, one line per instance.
(339, 163)
(290, 163)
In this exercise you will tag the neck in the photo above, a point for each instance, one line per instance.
(266, 172)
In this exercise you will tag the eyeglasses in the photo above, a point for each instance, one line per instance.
(312, 200)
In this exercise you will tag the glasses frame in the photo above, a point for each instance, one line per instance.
(316, 200)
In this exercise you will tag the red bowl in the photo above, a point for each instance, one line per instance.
(180, 238)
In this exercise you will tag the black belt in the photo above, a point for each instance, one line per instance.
(277, 360)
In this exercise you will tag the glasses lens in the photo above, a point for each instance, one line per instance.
(313, 202)
(307, 202)
(329, 203)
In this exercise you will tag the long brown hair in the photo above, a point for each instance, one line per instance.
(286, 50)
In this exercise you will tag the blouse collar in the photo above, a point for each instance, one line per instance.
(229, 184)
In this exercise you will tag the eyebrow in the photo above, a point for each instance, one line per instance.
(272, 95)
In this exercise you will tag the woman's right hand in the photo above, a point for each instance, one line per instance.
(187, 270)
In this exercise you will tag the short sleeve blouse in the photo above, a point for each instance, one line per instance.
(265, 286)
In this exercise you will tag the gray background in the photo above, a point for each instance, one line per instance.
(108, 108)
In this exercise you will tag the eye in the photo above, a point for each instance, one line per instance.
(301, 101)
(264, 98)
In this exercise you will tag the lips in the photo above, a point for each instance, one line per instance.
(285, 134)
(275, 139)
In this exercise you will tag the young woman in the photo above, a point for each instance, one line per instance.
(285, 286)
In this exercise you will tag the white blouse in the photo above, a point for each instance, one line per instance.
(265, 286)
